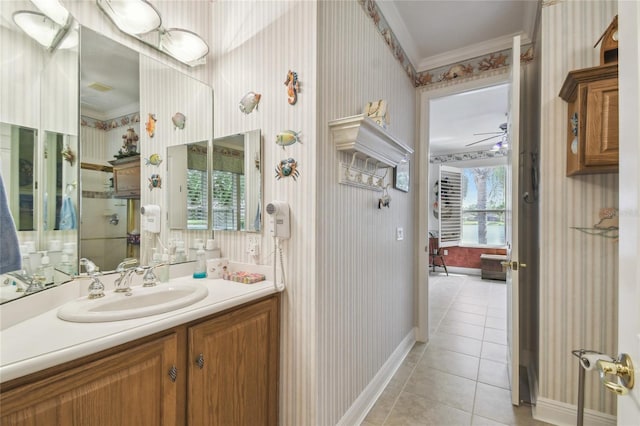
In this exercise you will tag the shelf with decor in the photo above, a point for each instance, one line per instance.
(372, 145)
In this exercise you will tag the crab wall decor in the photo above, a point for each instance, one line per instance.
(155, 181)
(287, 168)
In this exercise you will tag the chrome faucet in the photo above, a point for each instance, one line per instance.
(150, 279)
(96, 288)
(123, 283)
(25, 283)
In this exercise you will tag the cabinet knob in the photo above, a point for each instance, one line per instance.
(173, 373)
(200, 361)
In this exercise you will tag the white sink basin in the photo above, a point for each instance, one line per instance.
(141, 302)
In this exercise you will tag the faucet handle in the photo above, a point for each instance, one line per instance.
(150, 279)
(96, 288)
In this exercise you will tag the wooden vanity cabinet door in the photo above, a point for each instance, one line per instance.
(132, 387)
(237, 381)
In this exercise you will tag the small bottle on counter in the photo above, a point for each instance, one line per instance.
(45, 270)
(200, 270)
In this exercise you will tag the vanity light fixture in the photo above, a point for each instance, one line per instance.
(184, 45)
(39, 27)
(140, 19)
(54, 10)
(134, 17)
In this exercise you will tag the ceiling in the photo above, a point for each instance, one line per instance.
(436, 33)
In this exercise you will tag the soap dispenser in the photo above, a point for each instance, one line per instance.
(200, 270)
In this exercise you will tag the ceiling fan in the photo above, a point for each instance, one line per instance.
(501, 134)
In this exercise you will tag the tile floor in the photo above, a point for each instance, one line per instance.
(460, 377)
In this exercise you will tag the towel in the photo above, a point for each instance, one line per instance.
(67, 214)
(10, 259)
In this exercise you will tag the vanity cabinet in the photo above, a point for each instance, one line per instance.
(592, 135)
(219, 370)
(126, 177)
(130, 387)
(233, 370)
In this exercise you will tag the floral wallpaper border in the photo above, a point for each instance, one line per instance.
(464, 69)
(464, 156)
(122, 121)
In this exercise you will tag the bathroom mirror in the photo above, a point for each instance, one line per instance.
(38, 109)
(109, 109)
(236, 182)
(188, 186)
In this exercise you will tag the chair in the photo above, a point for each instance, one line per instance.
(435, 252)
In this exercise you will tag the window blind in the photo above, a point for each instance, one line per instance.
(450, 206)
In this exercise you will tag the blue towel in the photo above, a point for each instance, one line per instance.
(67, 214)
(10, 259)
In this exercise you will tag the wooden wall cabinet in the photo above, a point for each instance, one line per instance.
(592, 131)
(225, 368)
(126, 177)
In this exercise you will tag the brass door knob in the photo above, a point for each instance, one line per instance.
(622, 368)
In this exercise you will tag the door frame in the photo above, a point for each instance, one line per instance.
(629, 202)
(500, 76)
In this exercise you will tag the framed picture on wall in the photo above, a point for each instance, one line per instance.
(401, 176)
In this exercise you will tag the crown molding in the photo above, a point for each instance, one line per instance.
(471, 51)
(397, 25)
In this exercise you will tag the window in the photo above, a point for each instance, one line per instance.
(228, 201)
(197, 202)
(483, 206)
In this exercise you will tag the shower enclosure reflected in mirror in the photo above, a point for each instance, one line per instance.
(237, 183)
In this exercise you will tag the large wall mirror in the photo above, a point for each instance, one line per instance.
(61, 148)
(137, 114)
(38, 150)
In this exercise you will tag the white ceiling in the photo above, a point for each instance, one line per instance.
(435, 33)
(455, 120)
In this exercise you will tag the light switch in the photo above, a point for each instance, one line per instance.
(399, 234)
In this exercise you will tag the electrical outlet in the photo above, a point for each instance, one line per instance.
(446, 252)
(399, 234)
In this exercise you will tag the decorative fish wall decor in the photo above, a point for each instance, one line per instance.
(179, 120)
(249, 102)
(154, 160)
(287, 137)
(150, 125)
(287, 168)
(293, 87)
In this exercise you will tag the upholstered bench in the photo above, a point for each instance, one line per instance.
(491, 267)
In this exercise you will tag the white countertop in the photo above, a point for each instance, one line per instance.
(45, 340)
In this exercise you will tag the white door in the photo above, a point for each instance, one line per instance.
(629, 204)
(511, 219)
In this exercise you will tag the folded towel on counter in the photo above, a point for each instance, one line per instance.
(67, 214)
(10, 259)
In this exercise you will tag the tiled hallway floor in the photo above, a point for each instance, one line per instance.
(460, 377)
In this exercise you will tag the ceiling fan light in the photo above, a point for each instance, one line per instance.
(54, 10)
(37, 26)
(132, 16)
(184, 45)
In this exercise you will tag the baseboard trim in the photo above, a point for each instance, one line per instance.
(459, 270)
(563, 414)
(361, 406)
